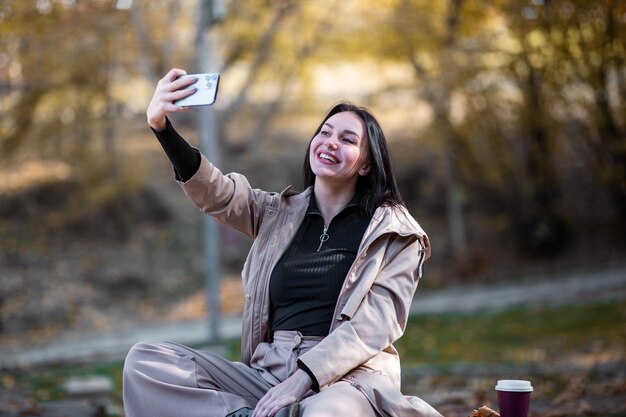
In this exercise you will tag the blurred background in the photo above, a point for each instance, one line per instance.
(505, 121)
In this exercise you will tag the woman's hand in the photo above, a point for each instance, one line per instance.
(166, 92)
(290, 390)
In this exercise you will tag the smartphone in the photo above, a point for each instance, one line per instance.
(206, 90)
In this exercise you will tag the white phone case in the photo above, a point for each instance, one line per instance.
(206, 90)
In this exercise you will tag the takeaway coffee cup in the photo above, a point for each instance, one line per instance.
(513, 397)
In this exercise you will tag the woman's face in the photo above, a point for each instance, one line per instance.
(340, 151)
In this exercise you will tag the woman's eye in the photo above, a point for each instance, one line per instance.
(324, 133)
(349, 140)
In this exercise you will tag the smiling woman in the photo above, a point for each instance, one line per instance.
(328, 283)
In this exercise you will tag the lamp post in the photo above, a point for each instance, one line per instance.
(208, 143)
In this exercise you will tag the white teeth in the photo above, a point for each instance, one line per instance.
(328, 157)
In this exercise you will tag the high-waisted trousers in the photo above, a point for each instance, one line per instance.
(171, 380)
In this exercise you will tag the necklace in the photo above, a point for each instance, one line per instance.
(323, 238)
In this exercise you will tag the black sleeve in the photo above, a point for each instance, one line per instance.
(316, 386)
(184, 157)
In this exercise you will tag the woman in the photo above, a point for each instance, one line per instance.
(328, 283)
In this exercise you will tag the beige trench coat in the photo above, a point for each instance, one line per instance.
(373, 305)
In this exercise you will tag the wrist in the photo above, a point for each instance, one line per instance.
(303, 368)
(303, 378)
(157, 124)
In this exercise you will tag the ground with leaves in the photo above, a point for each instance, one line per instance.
(597, 389)
(573, 354)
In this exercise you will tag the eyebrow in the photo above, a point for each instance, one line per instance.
(345, 131)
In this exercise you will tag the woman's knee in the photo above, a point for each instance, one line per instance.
(138, 352)
(135, 356)
(142, 354)
(159, 362)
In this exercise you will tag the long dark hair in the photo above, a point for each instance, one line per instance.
(378, 187)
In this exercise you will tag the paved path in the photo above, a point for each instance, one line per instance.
(580, 287)
(575, 288)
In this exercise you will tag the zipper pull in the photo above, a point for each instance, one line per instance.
(323, 238)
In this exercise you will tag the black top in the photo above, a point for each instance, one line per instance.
(306, 281)
(184, 157)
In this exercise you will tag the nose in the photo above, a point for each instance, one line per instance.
(330, 143)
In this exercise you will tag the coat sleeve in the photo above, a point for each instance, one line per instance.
(228, 198)
(379, 320)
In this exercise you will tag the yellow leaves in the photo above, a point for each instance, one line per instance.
(495, 59)
(133, 91)
(33, 173)
(194, 305)
(536, 38)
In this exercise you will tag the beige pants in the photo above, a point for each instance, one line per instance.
(171, 380)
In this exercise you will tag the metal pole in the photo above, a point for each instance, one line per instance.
(208, 144)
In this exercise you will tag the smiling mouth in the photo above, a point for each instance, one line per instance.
(327, 157)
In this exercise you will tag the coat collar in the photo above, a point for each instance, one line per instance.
(385, 219)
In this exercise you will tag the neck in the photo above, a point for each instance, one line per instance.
(331, 200)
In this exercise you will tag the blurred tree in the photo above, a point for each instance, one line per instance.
(568, 68)
(507, 85)
(432, 38)
(498, 77)
(537, 215)
(438, 87)
(592, 44)
(58, 87)
(275, 52)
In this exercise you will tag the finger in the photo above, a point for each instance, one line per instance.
(162, 109)
(268, 408)
(168, 82)
(165, 87)
(181, 83)
(177, 95)
(173, 108)
(272, 405)
(261, 405)
(173, 74)
(277, 406)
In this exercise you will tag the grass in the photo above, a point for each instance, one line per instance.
(47, 383)
(515, 336)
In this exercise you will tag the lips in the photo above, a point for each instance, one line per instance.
(327, 157)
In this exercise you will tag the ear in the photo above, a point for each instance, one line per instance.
(365, 169)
